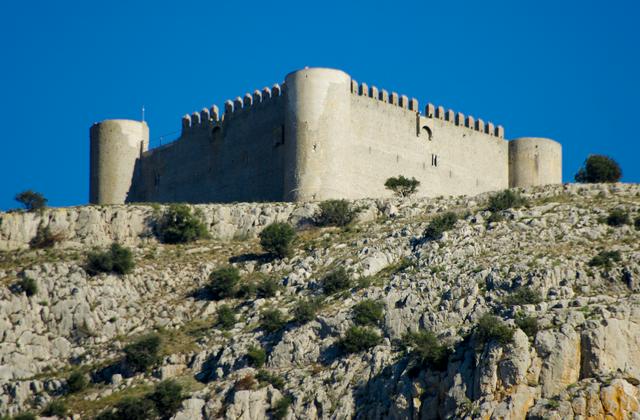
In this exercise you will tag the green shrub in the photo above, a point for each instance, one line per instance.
(439, 225)
(31, 200)
(77, 382)
(117, 259)
(306, 310)
(401, 186)
(335, 213)
(599, 168)
(336, 281)
(495, 217)
(618, 217)
(277, 239)
(247, 289)
(272, 320)
(426, 349)
(505, 200)
(528, 324)
(143, 353)
(179, 225)
(226, 317)
(491, 327)
(223, 282)
(45, 238)
(605, 259)
(29, 286)
(265, 377)
(358, 339)
(167, 398)
(24, 416)
(268, 288)
(132, 408)
(55, 408)
(523, 296)
(281, 407)
(636, 223)
(256, 356)
(368, 312)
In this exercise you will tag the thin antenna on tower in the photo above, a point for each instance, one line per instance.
(142, 113)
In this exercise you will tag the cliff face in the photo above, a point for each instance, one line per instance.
(581, 361)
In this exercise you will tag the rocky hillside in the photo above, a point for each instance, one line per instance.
(512, 316)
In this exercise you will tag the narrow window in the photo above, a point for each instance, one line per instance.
(434, 160)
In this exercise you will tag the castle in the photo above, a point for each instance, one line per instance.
(319, 135)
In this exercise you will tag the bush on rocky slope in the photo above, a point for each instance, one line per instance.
(523, 296)
(179, 225)
(618, 217)
(167, 398)
(226, 317)
(29, 286)
(277, 239)
(45, 238)
(358, 339)
(528, 324)
(272, 320)
(223, 282)
(368, 312)
(425, 348)
(490, 327)
(76, 382)
(439, 225)
(56, 408)
(335, 213)
(336, 281)
(117, 259)
(505, 200)
(256, 356)
(605, 259)
(305, 310)
(401, 186)
(143, 353)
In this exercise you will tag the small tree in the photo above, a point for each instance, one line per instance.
(77, 382)
(599, 168)
(29, 286)
(368, 312)
(505, 200)
(306, 310)
(226, 317)
(31, 200)
(358, 339)
(143, 353)
(439, 225)
(224, 282)
(335, 213)
(605, 259)
(618, 217)
(426, 349)
(272, 320)
(179, 225)
(256, 356)
(490, 327)
(277, 239)
(167, 398)
(336, 281)
(401, 186)
(117, 259)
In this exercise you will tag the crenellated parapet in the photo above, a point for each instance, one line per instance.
(459, 119)
(209, 118)
(401, 101)
(250, 100)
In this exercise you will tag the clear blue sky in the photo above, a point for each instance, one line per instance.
(569, 70)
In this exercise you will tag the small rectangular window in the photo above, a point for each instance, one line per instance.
(434, 160)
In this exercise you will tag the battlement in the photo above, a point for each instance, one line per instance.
(459, 119)
(430, 111)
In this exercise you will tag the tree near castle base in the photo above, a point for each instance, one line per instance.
(31, 200)
(599, 168)
(401, 186)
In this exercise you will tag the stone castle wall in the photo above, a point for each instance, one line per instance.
(322, 135)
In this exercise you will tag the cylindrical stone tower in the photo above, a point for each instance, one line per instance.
(534, 161)
(317, 123)
(115, 147)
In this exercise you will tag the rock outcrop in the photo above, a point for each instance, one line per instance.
(574, 351)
